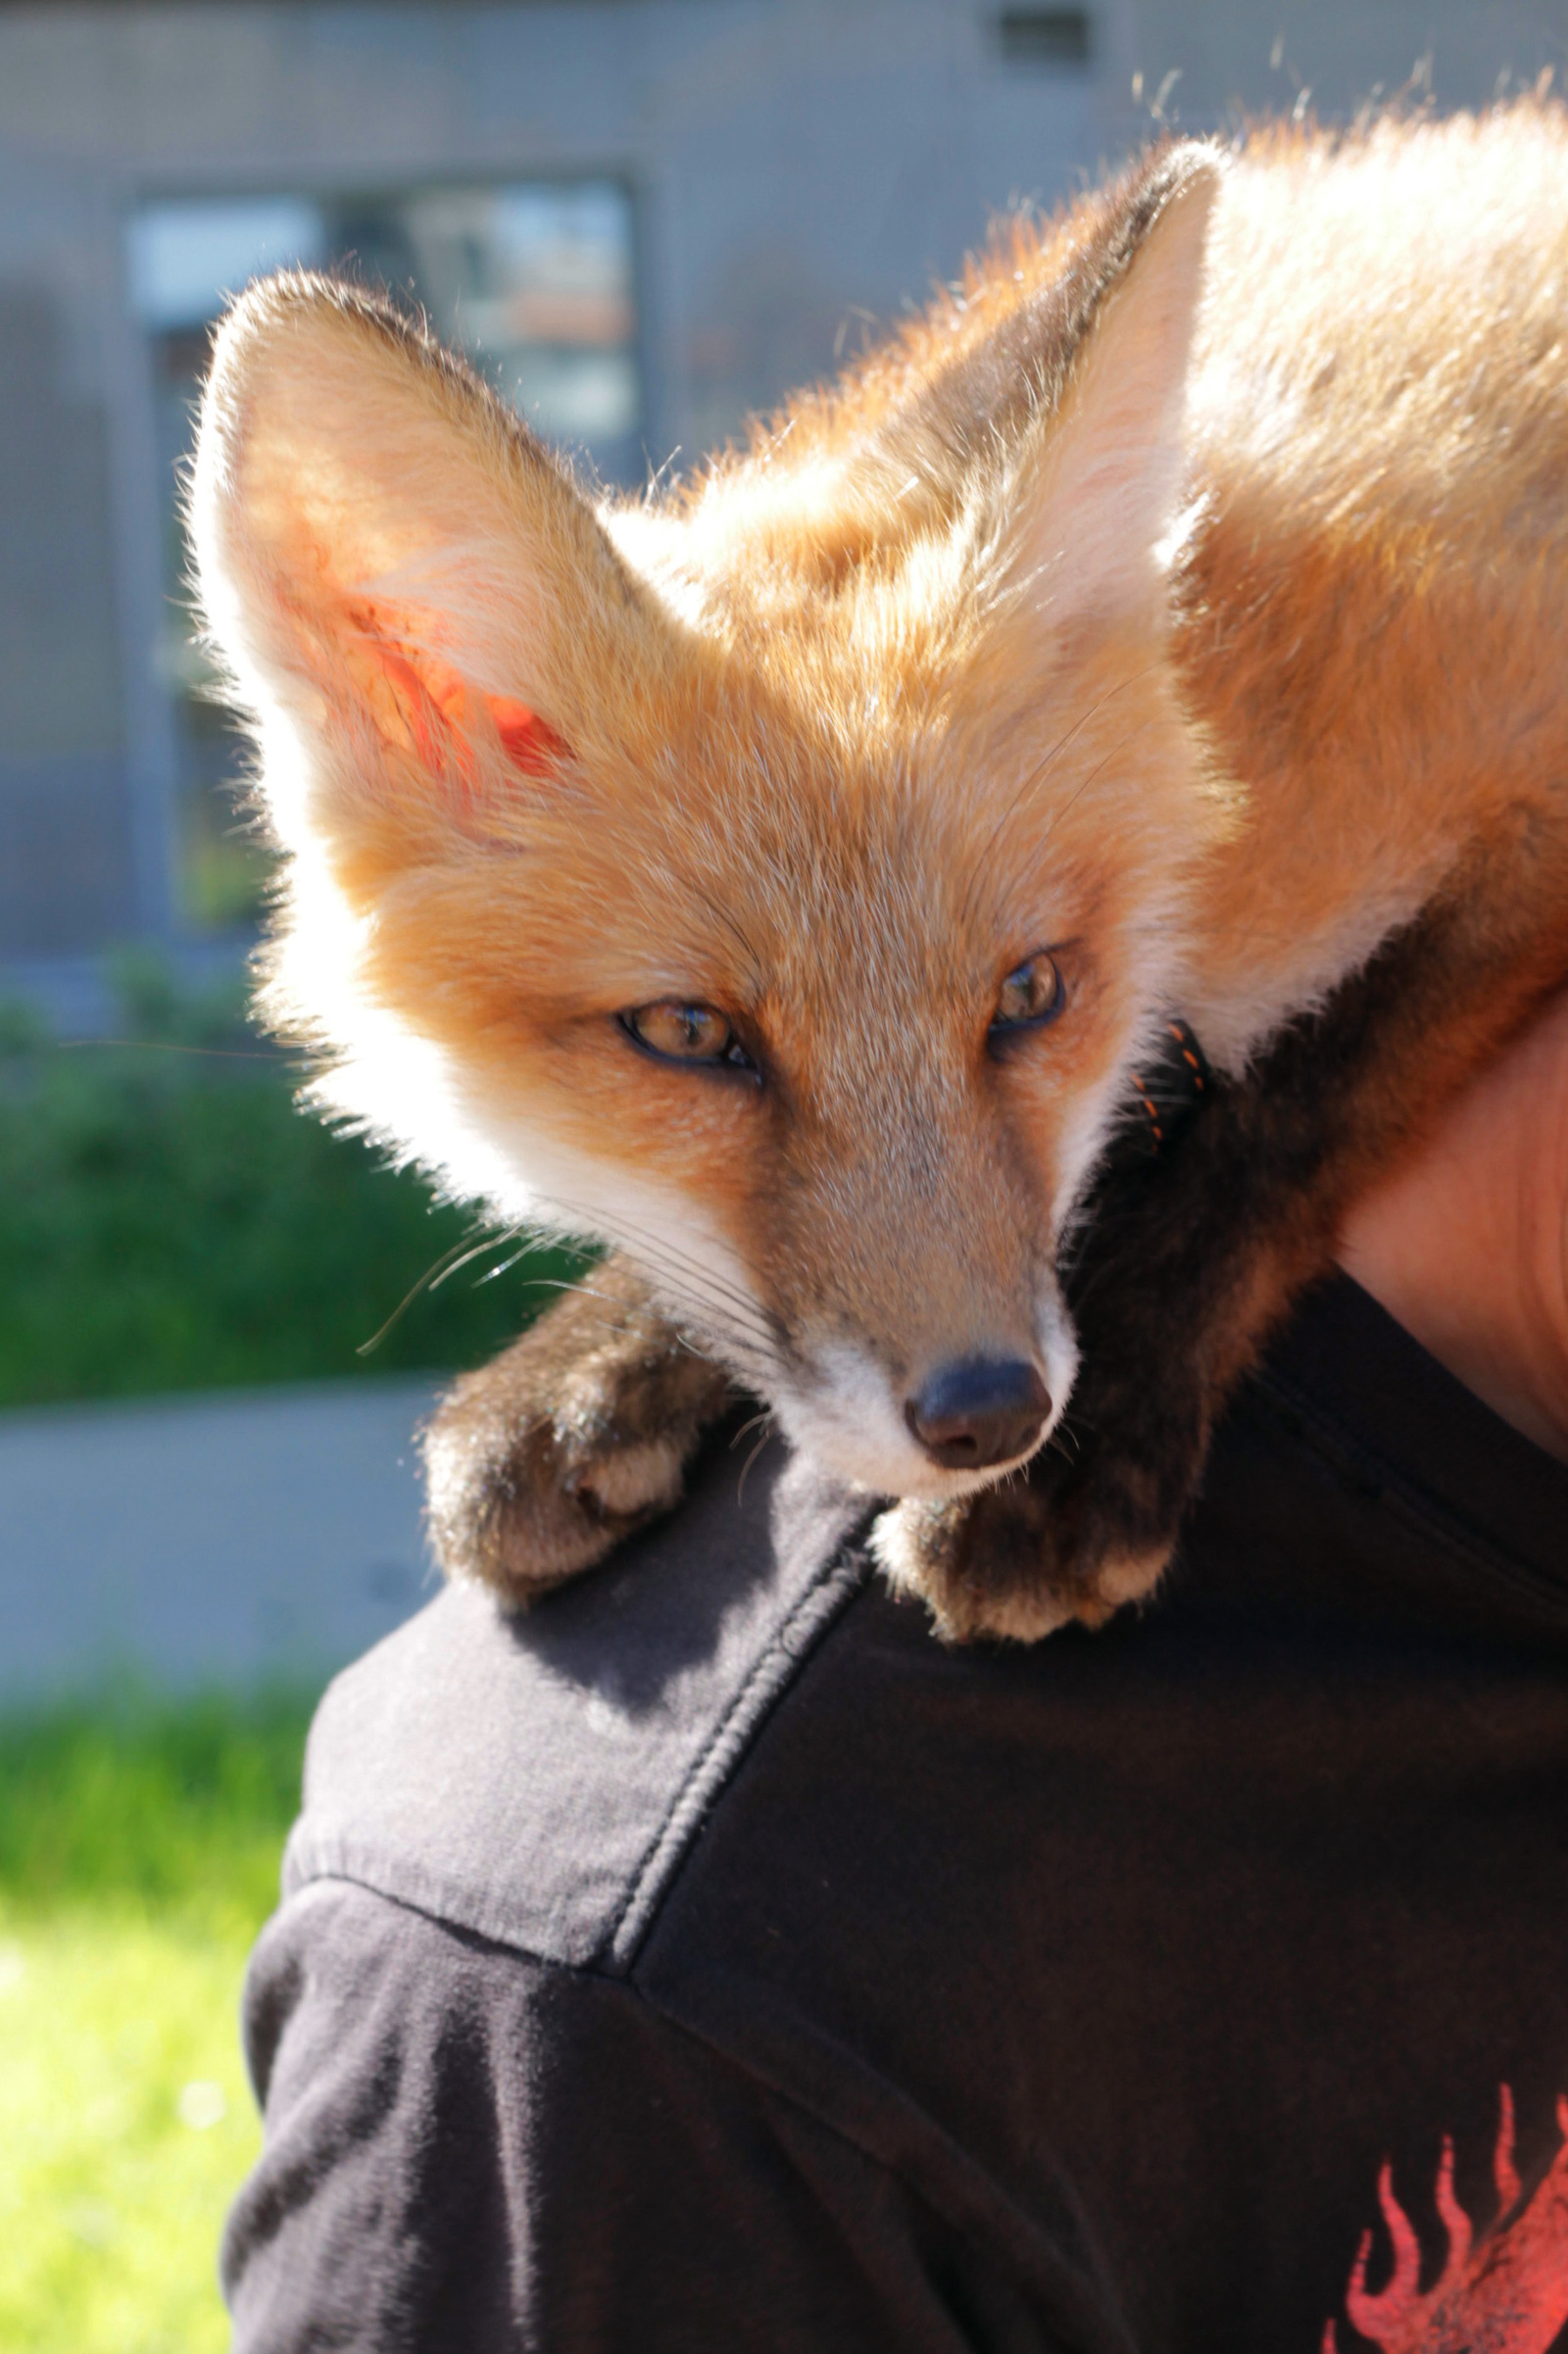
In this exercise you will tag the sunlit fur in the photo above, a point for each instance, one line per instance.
(1182, 595)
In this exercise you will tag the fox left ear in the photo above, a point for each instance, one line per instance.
(421, 610)
(1100, 487)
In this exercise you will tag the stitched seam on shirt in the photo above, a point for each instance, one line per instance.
(550, 1966)
(1355, 1465)
(341, 1873)
(770, 1676)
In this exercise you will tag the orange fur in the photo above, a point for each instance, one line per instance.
(1183, 595)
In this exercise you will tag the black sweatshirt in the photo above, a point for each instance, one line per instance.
(712, 1961)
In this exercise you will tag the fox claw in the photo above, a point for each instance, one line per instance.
(1021, 1559)
(542, 1463)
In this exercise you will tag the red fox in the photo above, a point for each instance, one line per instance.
(785, 877)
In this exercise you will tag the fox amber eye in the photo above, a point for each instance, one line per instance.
(1032, 995)
(686, 1034)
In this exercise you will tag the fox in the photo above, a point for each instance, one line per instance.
(795, 880)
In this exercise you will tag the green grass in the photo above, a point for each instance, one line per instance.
(140, 1851)
(169, 1221)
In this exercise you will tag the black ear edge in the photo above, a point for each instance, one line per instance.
(1001, 390)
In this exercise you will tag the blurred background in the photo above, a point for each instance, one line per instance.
(219, 1325)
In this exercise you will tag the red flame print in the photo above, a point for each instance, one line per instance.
(1504, 2293)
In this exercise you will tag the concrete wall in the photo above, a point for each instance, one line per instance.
(227, 1540)
(801, 167)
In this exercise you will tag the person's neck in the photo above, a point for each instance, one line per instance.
(1468, 1249)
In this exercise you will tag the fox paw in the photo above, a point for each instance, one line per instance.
(581, 1434)
(1019, 1561)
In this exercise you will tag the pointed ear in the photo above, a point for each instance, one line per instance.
(414, 599)
(1100, 487)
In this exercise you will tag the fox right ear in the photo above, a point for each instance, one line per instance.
(1102, 482)
(413, 601)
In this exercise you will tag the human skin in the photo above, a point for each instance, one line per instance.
(1467, 1247)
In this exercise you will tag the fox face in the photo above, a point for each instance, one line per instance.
(776, 881)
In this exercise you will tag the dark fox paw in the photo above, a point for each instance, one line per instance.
(1060, 1542)
(581, 1434)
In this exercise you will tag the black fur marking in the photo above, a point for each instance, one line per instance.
(1189, 1257)
(1168, 1090)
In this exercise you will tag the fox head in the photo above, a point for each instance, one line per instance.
(775, 878)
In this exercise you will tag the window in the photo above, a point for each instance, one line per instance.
(1044, 36)
(534, 282)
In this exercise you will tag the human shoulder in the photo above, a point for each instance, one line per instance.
(536, 1780)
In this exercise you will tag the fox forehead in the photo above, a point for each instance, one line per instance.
(777, 852)
(840, 780)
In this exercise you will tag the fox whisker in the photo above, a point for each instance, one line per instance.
(735, 1311)
(740, 1488)
(494, 1242)
(433, 1276)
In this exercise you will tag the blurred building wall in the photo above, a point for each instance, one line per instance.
(799, 168)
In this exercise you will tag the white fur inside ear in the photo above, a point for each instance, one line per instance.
(1104, 494)
(379, 542)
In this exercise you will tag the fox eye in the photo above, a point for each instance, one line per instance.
(682, 1033)
(1032, 995)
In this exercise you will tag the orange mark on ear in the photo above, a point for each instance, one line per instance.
(431, 711)
(431, 720)
(530, 742)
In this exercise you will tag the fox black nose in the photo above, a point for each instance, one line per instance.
(979, 1412)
